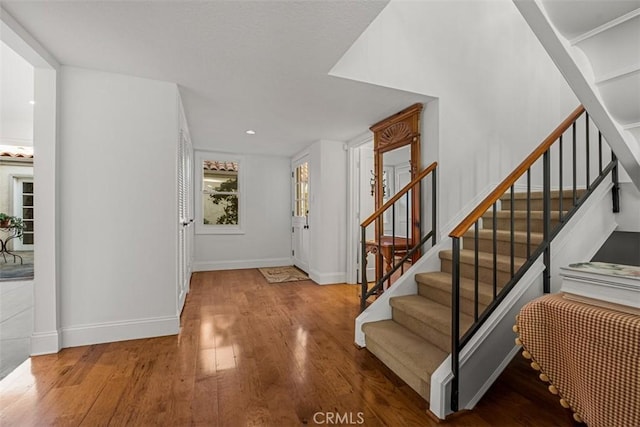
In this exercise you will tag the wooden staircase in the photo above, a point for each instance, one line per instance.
(417, 339)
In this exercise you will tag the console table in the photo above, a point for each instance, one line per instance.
(388, 247)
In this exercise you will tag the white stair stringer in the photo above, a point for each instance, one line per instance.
(491, 349)
(596, 47)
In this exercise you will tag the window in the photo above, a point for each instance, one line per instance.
(220, 201)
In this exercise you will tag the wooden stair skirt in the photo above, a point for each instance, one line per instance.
(418, 337)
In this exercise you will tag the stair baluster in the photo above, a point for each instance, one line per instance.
(551, 226)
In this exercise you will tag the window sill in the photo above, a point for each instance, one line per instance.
(218, 230)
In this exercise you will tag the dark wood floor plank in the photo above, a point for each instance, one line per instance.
(250, 353)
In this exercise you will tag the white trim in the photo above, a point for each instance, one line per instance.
(353, 204)
(629, 126)
(46, 127)
(45, 343)
(604, 27)
(240, 264)
(617, 74)
(21, 41)
(201, 228)
(120, 331)
(327, 278)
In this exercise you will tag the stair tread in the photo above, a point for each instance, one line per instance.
(505, 235)
(442, 281)
(429, 312)
(536, 195)
(467, 256)
(416, 354)
(522, 214)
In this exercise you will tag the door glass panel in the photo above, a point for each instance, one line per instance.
(302, 190)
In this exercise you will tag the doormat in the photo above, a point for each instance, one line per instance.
(283, 274)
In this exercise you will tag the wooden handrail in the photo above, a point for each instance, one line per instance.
(400, 193)
(515, 175)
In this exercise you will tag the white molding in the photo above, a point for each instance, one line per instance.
(98, 333)
(45, 343)
(240, 264)
(629, 126)
(617, 74)
(359, 140)
(327, 278)
(24, 44)
(604, 27)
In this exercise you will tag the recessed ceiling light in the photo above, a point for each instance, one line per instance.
(32, 102)
(250, 132)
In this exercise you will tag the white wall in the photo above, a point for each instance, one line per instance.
(266, 240)
(328, 212)
(499, 93)
(118, 215)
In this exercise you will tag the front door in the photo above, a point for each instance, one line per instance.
(300, 214)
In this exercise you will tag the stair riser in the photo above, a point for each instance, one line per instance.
(436, 337)
(485, 274)
(504, 248)
(416, 383)
(537, 204)
(444, 298)
(519, 224)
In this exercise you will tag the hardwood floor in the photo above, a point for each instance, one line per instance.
(250, 354)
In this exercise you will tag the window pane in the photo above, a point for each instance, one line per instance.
(27, 239)
(27, 187)
(221, 181)
(220, 209)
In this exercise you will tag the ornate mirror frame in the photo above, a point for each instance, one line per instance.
(398, 130)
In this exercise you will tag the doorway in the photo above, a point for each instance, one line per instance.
(300, 213)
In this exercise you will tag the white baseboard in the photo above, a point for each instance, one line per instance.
(45, 343)
(328, 278)
(120, 331)
(240, 264)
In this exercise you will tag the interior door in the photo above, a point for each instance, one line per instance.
(185, 214)
(300, 214)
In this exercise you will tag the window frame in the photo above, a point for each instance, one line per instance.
(201, 228)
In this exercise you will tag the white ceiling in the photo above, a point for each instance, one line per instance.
(240, 65)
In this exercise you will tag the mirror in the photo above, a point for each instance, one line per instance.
(396, 173)
(396, 148)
